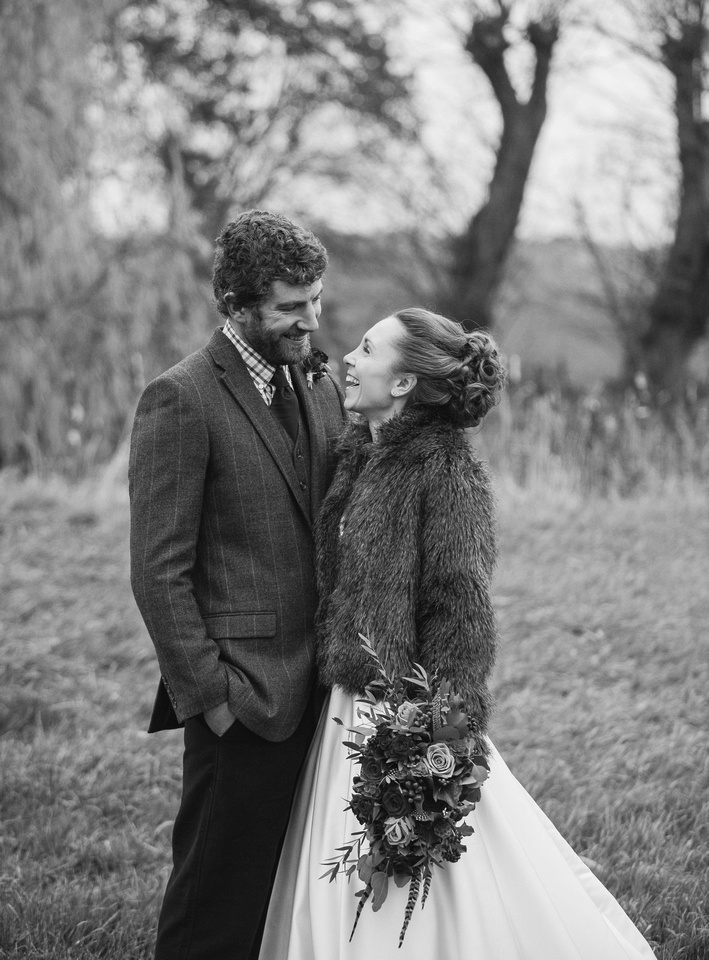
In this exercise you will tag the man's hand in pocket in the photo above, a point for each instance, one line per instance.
(219, 719)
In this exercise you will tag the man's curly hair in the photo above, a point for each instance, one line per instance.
(257, 248)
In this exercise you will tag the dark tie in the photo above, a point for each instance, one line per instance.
(284, 405)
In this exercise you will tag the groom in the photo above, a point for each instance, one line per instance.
(227, 471)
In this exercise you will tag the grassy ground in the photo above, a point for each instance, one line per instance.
(602, 704)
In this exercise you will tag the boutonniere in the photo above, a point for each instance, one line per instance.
(315, 366)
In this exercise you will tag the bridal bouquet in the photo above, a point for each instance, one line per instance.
(418, 780)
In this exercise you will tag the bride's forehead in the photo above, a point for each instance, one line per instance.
(384, 333)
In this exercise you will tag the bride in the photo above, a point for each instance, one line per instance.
(406, 548)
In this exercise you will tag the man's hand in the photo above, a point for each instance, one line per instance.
(219, 719)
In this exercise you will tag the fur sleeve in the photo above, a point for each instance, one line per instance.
(456, 626)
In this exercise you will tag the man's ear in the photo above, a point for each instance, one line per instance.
(404, 385)
(235, 313)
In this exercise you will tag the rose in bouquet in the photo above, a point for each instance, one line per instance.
(419, 778)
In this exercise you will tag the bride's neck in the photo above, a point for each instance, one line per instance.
(376, 423)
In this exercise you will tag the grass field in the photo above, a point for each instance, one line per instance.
(602, 707)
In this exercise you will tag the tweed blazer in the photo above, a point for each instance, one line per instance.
(406, 544)
(222, 553)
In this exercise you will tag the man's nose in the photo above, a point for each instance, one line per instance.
(309, 319)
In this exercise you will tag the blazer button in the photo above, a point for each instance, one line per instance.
(299, 454)
(303, 485)
(171, 695)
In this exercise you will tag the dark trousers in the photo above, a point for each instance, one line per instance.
(236, 797)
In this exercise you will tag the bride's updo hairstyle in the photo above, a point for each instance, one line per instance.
(458, 371)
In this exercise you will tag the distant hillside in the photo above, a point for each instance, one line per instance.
(549, 313)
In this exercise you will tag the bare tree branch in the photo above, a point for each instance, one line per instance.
(486, 43)
(480, 253)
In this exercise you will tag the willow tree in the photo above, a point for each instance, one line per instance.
(45, 88)
(479, 253)
(48, 263)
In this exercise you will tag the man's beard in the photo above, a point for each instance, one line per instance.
(274, 347)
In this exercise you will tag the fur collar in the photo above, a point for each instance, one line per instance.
(401, 435)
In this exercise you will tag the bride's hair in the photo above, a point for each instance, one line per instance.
(458, 371)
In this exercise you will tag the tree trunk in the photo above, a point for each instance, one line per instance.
(480, 253)
(679, 314)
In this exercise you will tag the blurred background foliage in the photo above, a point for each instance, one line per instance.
(131, 132)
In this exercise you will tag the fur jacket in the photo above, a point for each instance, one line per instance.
(406, 547)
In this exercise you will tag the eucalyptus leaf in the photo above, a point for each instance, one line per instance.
(365, 868)
(380, 888)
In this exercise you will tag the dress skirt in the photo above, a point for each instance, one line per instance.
(518, 893)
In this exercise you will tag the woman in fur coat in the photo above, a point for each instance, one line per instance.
(406, 548)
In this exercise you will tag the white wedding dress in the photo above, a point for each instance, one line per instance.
(518, 893)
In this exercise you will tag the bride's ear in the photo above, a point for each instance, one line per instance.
(404, 385)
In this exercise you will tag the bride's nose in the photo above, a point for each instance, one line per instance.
(348, 359)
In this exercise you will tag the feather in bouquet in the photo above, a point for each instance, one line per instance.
(419, 778)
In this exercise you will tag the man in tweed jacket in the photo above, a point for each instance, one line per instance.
(222, 568)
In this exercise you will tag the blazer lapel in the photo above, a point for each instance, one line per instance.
(238, 382)
(318, 437)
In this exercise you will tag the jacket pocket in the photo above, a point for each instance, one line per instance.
(240, 626)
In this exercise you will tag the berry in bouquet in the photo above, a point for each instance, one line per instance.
(419, 778)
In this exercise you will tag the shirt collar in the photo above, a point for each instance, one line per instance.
(259, 368)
